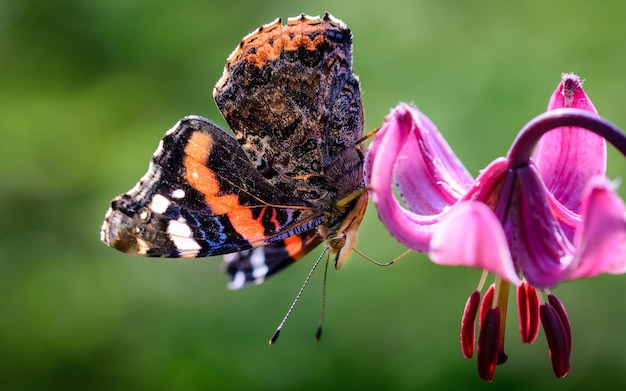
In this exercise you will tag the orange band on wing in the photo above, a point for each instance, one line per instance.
(203, 179)
(294, 245)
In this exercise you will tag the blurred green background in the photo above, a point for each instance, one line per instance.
(88, 88)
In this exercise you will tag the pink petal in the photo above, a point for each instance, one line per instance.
(568, 157)
(538, 245)
(471, 235)
(488, 185)
(414, 231)
(568, 219)
(601, 239)
(428, 174)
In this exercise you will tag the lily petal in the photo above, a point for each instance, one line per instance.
(539, 246)
(471, 235)
(568, 157)
(601, 240)
(428, 174)
(412, 230)
(568, 219)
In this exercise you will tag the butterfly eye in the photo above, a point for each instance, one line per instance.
(336, 243)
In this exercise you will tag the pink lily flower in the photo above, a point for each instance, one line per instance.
(532, 221)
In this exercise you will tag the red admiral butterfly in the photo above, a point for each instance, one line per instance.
(290, 179)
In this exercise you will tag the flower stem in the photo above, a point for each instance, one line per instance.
(527, 138)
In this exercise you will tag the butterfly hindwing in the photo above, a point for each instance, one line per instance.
(253, 266)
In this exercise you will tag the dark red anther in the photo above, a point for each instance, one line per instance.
(556, 335)
(488, 353)
(468, 324)
(487, 302)
(502, 357)
(560, 309)
(528, 312)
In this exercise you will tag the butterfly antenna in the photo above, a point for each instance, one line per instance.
(306, 281)
(318, 334)
(396, 259)
(368, 135)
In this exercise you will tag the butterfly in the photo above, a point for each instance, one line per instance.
(289, 179)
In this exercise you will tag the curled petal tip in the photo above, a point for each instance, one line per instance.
(570, 93)
(568, 156)
(428, 174)
(429, 177)
(384, 151)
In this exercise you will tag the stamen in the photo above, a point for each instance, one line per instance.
(528, 312)
(468, 321)
(557, 338)
(483, 278)
(560, 309)
(487, 303)
(468, 324)
(501, 301)
(489, 344)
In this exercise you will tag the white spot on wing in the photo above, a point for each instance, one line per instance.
(257, 260)
(142, 247)
(181, 235)
(179, 228)
(178, 193)
(238, 281)
(159, 204)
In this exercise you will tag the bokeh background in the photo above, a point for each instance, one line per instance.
(88, 88)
